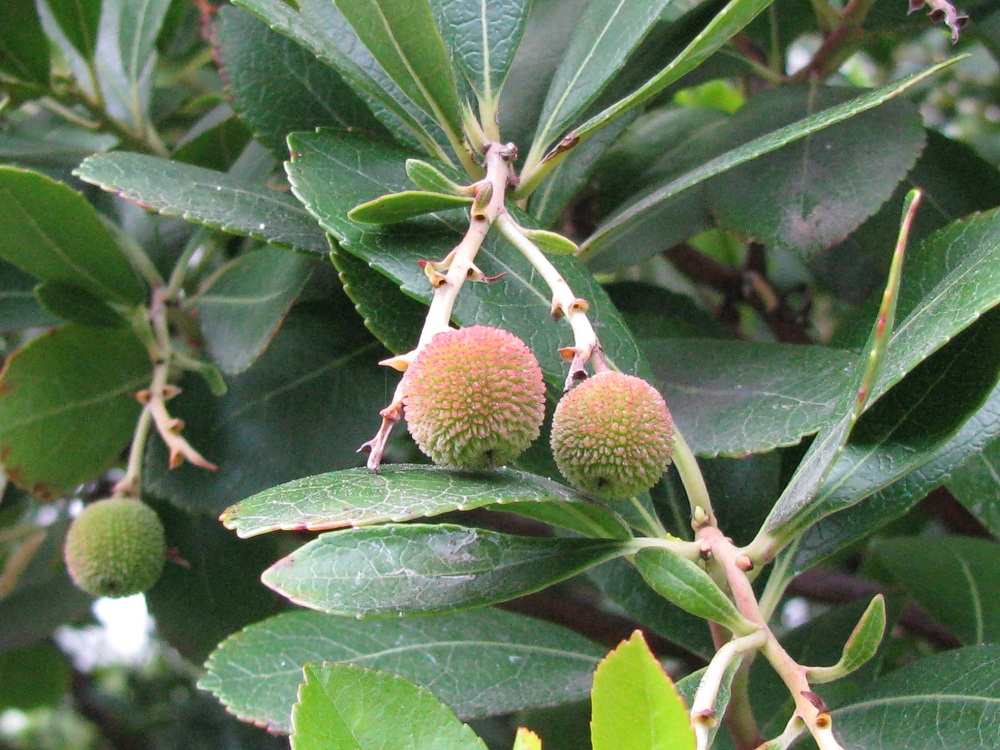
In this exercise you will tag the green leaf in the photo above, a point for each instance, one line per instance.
(484, 37)
(623, 584)
(688, 688)
(480, 663)
(240, 313)
(859, 521)
(654, 312)
(955, 579)
(24, 50)
(321, 29)
(53, 233)
(394, 318)
(79, 21)
(636, 705)
(215, 142)
(428, 177)
(218, 587)
(19, 307)
(395, 207)
(632, 222)
(819, 641)
(279, 87)
(547, 33)
(283, 418)
(603, 37)
(551, 242)
(574, 175)
(861, 646)
(976, 484)
(398, 492)
(724, 25)
(949, 701)
(41, 141)
(67, 406)
(737, 397)
(77, 305)
(687, 585)
(952, 278)
(955, 181)
(404, 38)
(139, 23)
(207, 197)
(798, 507)
(905, 428)
(332, 172)
(806, 207)
(424, 568)
(348, 707)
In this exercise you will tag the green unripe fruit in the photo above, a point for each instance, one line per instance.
(474, 398)
(115, 547)
(613, 435)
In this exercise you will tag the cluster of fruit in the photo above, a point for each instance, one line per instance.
(474, 398)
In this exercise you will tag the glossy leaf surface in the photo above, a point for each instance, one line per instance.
(207, 197)
(976, 484)
(319, 27)
(394, 318)
(420, 569)
(913, 421)
(483, 662)
(623, 584)
(841, 529)
(798, 507)
(800, 199)
(603, 36)
(724, 25)
(398, 492)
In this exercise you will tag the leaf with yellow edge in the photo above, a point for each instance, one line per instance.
(527, 740)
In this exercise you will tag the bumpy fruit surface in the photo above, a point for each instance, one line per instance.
(474, 398)
(115, 547)
(613, 435)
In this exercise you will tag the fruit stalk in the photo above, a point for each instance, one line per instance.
(564, 302)
(460, 263)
